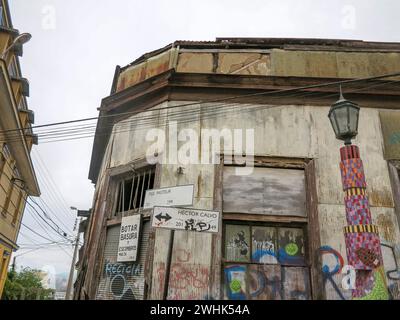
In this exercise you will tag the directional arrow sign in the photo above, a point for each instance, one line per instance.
(160, 217)
(185, 219)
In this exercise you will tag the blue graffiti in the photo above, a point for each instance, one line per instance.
(282, 257)
(235, 277)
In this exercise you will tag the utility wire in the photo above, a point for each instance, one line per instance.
(321, 85)
(154, 120)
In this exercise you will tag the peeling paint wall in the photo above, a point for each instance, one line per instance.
(280, 131)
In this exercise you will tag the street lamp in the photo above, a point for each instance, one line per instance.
(360, 234)
(344, 119)
(19, 40)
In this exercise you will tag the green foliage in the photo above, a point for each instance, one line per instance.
(25, 285)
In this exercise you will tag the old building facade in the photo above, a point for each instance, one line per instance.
(280, 226)
(17, 175)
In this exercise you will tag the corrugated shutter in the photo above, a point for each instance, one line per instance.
(123, 280)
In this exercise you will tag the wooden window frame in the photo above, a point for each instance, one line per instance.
(312, 234)
(276, 225)
(121, 173)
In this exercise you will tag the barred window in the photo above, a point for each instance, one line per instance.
(132, 190)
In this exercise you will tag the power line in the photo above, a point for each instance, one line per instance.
(139, 122)
(321, 85)
(48, 190)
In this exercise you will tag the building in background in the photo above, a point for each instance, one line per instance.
(17, 175)
(279, 232)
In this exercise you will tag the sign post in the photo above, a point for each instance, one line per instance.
(129, 238)
(185, 219)
(170, 196)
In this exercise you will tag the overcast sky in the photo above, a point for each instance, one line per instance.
(76, 45)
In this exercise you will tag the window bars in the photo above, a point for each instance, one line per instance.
(132, 190)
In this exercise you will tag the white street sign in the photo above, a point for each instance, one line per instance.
(129, 238)
(171, 196)
(185, 219)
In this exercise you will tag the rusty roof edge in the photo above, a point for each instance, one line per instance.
(237, 42)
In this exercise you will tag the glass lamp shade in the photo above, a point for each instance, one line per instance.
(344, 119)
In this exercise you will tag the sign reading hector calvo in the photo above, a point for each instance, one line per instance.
(170, 196)
(185, 219)
(129, 238)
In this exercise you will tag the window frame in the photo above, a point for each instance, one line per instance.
(118, 173)
(311, 235)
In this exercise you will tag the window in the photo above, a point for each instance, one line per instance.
(132, 190)
(18, 206)
(2, 164)
(3, 21)
(265, 235)
(12, 69)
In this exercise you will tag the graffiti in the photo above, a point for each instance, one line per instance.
(111, 269)
(237, 243)
(291, 246)
(240, 242)
(186, 276)
(192, 225)
(329, 271)
(121, 281)
(187, 280)
(264, 248)
(266, 282)
(370, 285)
(236, 284)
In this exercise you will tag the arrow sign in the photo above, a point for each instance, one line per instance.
(187, 219)
(166, 217)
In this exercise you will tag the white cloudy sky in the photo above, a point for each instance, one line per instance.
(76, 45)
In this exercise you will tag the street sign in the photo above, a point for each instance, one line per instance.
(129, 238)
(185, 219)
(170, 196)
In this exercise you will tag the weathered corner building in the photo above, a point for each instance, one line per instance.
(17, 175)
(280, 231)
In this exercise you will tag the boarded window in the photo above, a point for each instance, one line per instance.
(265, 260)
(132, 190)
(266, 191)
(276, 267)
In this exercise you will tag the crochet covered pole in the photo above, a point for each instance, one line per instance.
(361, 235)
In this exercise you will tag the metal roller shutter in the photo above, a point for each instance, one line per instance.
(122, 280)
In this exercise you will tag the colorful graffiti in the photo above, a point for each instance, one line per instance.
(122, 281)
(361, 236)
(266, 282)
(329, 271)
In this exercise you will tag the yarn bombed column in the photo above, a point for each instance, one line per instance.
(361, 235)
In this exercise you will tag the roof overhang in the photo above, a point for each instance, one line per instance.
(178, 86)
(9, 120)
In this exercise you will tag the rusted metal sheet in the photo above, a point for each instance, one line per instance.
(142, 71)
(333, 64)
(265, 191)
(244, 63)
(195, 62)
